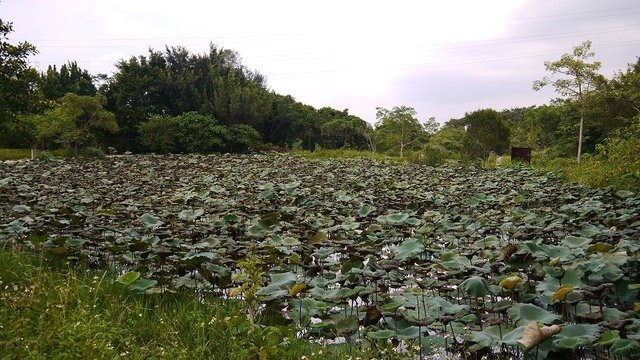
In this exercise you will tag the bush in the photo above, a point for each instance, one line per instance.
(93, 153)
(159, 134)
(430, 155)
(616, 162)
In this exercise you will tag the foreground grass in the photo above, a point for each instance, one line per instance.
(50, 311)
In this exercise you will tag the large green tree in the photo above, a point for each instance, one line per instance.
(486, 132)
(398, 129)
(573, 76)
(77, 122)
(19, 91)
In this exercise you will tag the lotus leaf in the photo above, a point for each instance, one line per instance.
(475, 286)
(150, 221)
(522, 314)
(190, 215)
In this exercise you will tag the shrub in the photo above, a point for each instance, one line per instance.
(92, 152)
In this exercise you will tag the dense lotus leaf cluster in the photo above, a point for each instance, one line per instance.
(474, 261)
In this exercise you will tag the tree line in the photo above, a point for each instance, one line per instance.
(174, 101)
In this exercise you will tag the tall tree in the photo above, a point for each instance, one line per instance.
(573, 76)
(70, 79)
(399, 128)
(18, 82)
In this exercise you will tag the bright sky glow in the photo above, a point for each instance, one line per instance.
(443, 58)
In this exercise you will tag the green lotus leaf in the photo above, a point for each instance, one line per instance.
(258, 229)
(150, 221)
(488, 242)
(409, 249)
(317, 238)
(365, 210)
(608, 338)
(301, 310)
(203, 255)
(433, 345)
(283, 280)
(576, 241)
(190, 215)
(143, 284)
(522, 314)
(575, 335)
(393, 305)
(347, 326)
(496, 335)
(381, 334)
(624, 194)
(625, 347)
(21, 208)
(128, 278)
(475, 286)
(393, 218)
(477, 199)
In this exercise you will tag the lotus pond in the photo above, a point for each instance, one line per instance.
(505, 263)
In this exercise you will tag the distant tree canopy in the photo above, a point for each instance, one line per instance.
(176, 82)
(176, 101)
(70, 79)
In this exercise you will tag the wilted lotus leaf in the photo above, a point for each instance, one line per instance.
(297, 289)
(562, 292)
(534, 334)
(510, 282)
(507, 251)
(317, 238)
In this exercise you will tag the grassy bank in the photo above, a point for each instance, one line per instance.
(50, 311)
(15, 154)
(593, 172)
(344, 154)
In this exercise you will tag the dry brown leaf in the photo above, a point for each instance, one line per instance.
(533, 335)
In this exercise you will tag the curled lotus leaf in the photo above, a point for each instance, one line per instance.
(534, 334)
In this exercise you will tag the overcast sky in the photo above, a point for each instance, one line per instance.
(443, 58)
